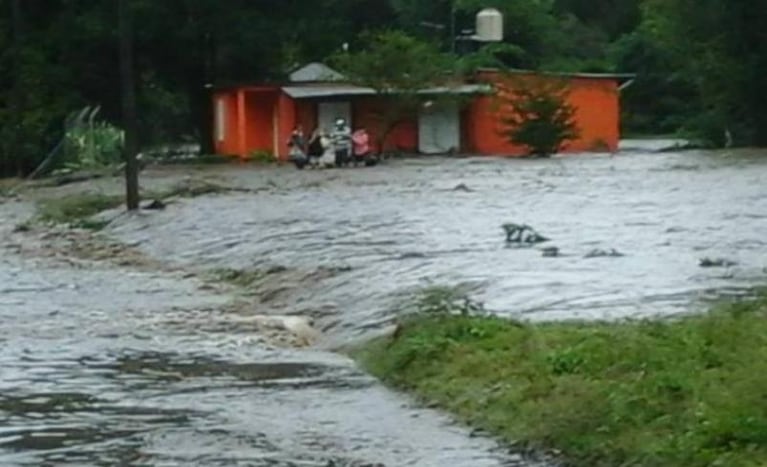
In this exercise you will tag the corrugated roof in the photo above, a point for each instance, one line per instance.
(315, 72)
(303, 92)
(462, 89)
(341, 90)
(565, 74)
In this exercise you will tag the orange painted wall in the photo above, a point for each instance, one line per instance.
(598, 112)
(259, 123)
(597, 116)
(286, 120)
(256, 131)
(403, 137)
(269, 112)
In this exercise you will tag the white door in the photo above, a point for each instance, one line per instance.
(329, 112)
(439, 129)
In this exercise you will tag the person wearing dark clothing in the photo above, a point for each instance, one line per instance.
(297, 145)
(315, 148)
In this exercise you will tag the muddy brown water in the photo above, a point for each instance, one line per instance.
(111, 366)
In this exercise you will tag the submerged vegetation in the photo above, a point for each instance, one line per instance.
(688, 391)
(77, 210)
(245, 278)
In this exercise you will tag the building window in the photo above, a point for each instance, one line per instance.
(220, 120)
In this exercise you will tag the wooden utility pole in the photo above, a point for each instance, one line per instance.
(130, 147)
(206, 112)
(15, 102)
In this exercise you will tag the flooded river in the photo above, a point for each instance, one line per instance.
(403, 226)
(105, 365)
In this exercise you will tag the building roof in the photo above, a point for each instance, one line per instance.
(462, 89)
(315, 72)
(307, 91)
(316, 80)
(344, 90)
(564, 74)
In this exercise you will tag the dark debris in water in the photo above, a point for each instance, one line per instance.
(252, 278)
(45, 403)
(550, 252)
(159, 370)
(154, 205)
(522, 233)
(172, 367)
(344, 463)
(463, 187)
(600, 253)
(60, 437)
(716, 263)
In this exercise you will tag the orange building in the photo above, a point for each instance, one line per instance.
(261, 117)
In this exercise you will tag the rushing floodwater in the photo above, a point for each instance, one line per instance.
(105, 366)
(403, 226)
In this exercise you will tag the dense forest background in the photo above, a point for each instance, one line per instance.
(700, 63)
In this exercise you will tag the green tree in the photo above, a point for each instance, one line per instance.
(535, 113)
(614, 18)
(398, 67)
(717, 45)
(34, 95)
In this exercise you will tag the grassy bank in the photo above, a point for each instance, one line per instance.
(77, 210)
(690, 392)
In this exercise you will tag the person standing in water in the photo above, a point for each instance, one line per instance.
(342, 142)
(361, 141)
(297, 145)
(315, 148)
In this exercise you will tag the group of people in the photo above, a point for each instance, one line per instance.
(339, 148)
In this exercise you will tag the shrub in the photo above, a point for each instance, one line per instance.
(93, 145)
(535, 114)
(262, 156)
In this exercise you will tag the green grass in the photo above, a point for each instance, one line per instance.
(77, 209)
(189, 189)
(689, 392)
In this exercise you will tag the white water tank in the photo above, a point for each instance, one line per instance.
(489, 26)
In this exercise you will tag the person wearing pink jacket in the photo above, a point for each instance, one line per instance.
(361, 149)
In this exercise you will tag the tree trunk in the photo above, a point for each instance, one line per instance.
(15, 101)
(130, 148)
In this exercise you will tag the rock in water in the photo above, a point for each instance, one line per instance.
(716, 263)
(522, 233)
(550, 252)
(598, 253)
(155, 205)
(462, 187)
(534, 237)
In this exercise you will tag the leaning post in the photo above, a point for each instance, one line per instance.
(130, 145)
